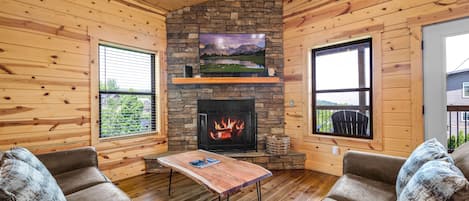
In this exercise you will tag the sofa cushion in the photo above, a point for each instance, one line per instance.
(67, 160)
(20, 181)
(461, 195)
(435, 180)
(355, 188)
(461, 160)
(79, 179)
(427, 151)
(100, 192)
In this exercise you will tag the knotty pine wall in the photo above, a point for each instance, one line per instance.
(395, 26)
(47, 60)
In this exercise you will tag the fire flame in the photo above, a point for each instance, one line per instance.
(226, 129)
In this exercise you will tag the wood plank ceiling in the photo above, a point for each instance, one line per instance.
(169, 5)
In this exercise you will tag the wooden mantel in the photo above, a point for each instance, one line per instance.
(226, 80)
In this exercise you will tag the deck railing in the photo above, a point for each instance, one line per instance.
(457, 125)
(457, 122)
(324, 121)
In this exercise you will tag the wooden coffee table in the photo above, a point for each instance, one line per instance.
(224, 178)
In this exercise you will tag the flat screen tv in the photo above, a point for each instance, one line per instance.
(232, 53)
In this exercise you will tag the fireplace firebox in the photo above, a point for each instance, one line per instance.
(227, 125)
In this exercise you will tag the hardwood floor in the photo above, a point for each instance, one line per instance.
(283, 185)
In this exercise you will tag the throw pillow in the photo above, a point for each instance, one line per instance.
(434, 181)
(26, 156)
(20, 181)
(427, 151)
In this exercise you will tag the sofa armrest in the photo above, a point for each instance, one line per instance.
(64, 161)
(373, 166)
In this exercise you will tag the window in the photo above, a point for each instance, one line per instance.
(464, 116)
(465, 89)
(341, 86)
(126, 92)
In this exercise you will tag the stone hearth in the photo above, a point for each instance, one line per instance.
(291, 161)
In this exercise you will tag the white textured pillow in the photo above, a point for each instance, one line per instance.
(22, 154)
(434, 181)
(20, 181)
(427, 151)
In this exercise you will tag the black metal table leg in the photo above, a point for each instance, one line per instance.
(258, 189)
(170, 177)
(227, 197)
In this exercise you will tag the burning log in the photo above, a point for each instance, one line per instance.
(225, 130)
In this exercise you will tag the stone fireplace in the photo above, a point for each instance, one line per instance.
(266, 101)
(227, 125)
(222, 16)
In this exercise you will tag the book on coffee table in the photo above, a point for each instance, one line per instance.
(203, 164)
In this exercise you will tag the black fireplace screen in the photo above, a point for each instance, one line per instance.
(225, 125)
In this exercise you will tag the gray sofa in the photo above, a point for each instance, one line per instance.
(372, 177)
(76, 171)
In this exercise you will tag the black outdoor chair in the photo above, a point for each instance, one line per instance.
(350, 123)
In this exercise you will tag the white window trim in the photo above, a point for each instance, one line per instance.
(462, 116)
(464, 84)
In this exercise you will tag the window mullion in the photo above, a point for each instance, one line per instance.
(361, 78)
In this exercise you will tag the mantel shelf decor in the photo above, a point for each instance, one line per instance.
(226, 80)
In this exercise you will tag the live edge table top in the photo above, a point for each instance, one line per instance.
(224, 178)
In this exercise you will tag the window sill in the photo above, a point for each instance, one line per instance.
(360, 143)
(117, 138)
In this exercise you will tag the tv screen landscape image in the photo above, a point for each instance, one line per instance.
(232, 53)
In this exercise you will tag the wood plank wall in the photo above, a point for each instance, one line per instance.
(45, 92)
(397, 26)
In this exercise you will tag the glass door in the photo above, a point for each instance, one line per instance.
(446, 82)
